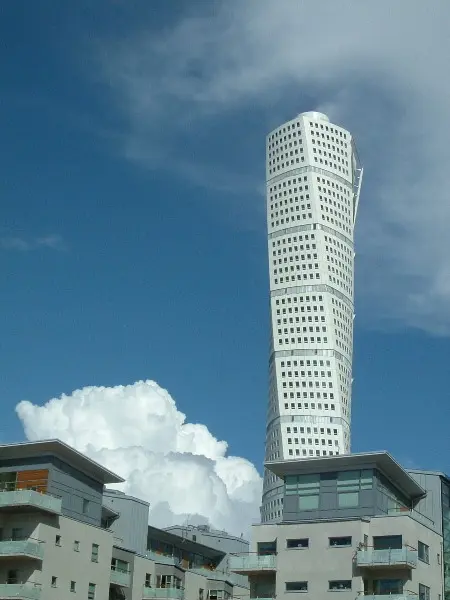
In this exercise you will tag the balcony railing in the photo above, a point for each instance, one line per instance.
(119, 577)
(402, 596)
(162, 559)
(20, 591)
(30, 498)
(26, 548)
(391, 557)
(163, 593)
(241, 563)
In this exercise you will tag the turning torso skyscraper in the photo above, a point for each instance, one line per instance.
(313, 184)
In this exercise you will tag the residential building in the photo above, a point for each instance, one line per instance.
(62, 533)
(356, 524)
(313, 179)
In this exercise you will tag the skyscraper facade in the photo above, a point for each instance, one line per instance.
(313, 180)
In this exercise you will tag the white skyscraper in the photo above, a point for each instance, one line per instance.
(313, 183)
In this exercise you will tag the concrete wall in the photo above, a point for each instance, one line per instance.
(131, 526)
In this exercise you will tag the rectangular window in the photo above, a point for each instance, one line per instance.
(424, 592)
(340, 542)
(12, 576)
(348, 499)
(424, 552)
(73, 586)
(387, 542)
(201, 594)
(91, 591)
(340, 584)
(16, 533)
(148, 580)
(85, 506)
(76, 546)
(58, 540)
(297, 543)
(54, 580)
(308, 502)
(296, 586)
(94, 553)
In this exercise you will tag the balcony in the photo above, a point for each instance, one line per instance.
(403, 596)
(17, 499)
(163, 593)
(27, 548)
(405, 557)
(119, 577)
(162, 559)
(253, 563)
(20, 591)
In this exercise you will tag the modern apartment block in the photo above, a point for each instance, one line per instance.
(313, 180)
(63, 536)
(356, 525)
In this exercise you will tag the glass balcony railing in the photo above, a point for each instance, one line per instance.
(162, 559)
(31, 498)
(20, 591)
(253, 562)
(122, 578)
(163, 593)
(392, 557)
(403, 596)
(29, 547)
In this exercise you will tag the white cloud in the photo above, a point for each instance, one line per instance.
(378, 67)
(138, 432)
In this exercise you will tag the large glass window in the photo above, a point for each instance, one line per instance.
(386, 587)
(387, 542)
(348, 499)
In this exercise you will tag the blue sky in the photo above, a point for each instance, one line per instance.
(132, 228)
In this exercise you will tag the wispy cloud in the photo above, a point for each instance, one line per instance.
(378, 68)
(22, 244)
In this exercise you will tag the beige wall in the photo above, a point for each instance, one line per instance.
(320, 563)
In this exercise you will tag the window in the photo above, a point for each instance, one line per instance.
(16, 533)
(73, 586)
(387, 542)
(340, 584)
(424, 592)
(297, 543)
(424, 552)
(12, 576)
(85, 506)
(308, 502)
(201, 594)
(94, 553)
(91, 591)
(54, 580)
(348, 499)
(148, 580)
(340, 542)
(76, 546)
(296, 586)
(58, 540)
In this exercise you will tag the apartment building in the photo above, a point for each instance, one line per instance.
(357, 525)
(64, 536)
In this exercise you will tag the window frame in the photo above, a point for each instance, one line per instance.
(425, 558)
(304, 585)
(337, 582)
(340, 537)
(299, 546)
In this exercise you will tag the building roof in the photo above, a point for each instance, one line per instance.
(64, 452)
(381, 460)
(167, 537)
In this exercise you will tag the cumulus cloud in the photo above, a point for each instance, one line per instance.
(377, 67)
(138, 432)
